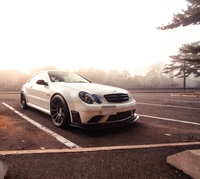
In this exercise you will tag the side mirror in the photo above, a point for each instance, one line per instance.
(42, 82)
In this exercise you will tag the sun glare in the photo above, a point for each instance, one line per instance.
(104, 34)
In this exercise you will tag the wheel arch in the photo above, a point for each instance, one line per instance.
(25, 93)
(66, 103)
(23, 99)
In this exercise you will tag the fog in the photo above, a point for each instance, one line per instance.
(154, 78)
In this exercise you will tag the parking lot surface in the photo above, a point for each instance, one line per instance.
(167, 125)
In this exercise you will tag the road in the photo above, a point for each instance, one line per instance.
(168, 124)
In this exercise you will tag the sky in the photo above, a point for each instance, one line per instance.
(105, 34)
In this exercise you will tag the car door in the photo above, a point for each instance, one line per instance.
(39, 94)
(30, 89)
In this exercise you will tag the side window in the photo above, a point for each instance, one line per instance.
(56, 77)
(40, 76)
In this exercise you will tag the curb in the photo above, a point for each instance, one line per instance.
(3, 169)
(188, 161)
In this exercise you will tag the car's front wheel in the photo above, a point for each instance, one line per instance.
(59, 111)
(23, 101)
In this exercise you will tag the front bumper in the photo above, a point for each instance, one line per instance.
(109, 124)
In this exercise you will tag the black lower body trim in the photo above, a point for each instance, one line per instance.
(118, 123)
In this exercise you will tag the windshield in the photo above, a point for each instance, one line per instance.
(68, 77)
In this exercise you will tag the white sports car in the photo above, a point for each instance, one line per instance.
(70, 99)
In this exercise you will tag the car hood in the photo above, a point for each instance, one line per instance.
(93, 88)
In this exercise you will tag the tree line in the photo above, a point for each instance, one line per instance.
(154, 78)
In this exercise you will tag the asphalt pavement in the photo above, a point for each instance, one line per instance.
(135, 151)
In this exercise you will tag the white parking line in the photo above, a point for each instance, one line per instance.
(183, 101)
(43, 128)
(96, 149)
(168, 119)
(170, 106)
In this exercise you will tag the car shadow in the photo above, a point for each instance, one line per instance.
(134, 127)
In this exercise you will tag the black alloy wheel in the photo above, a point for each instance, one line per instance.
(23, 101)
(59, 111)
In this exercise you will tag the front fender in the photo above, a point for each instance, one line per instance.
(70, 96)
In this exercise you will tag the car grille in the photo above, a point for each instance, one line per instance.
(116, 98)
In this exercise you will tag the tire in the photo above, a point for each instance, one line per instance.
(59, 112)
(23, 101)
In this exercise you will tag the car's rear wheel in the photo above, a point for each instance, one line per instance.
(23, 101)
(59, 111)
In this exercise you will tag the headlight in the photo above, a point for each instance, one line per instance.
(86, 97)
(97, 98)
(90, 99)
(130, 97)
